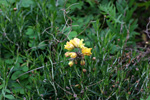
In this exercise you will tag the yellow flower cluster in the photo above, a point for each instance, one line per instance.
(74, 43)
(82, 51)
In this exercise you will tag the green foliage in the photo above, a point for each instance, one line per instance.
(146, 99)
(32, 38)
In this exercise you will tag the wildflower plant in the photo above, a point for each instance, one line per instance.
(31, 56)
(77, 51)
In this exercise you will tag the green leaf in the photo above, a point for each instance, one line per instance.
(30, 31)
(33, 36)
(20, 59)
(6, 2)
(30, 44)
(77, 5)
(90, 2)
(114, 48)
(16, 75)
(87, 43)
(1, 86)
(148, 98)
(9, 96)
(9, 61)
(66, 30)
(8, 91)
(27, 3)
(22, 91)
(25, 68)
(42, 45)
(72, 34)
(1, 95)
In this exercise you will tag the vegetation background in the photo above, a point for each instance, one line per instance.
(32, 38)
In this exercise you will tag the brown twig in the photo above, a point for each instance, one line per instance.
(63, 89)
(147, 29)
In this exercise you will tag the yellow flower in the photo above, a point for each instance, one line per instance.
(77, 42)
(81, 45)
(67, 54)
(69, 46)
(73, 55)
(82, 62)
(70, 63)
(86, 51)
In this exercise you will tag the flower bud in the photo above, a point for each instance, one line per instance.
(84, 70)
(70, 63)
(113, 86)
(15, 9)
(77, 85)
(94, 58)
(67, 54)
(94, 69)
(129, 93)
(146, 42)
(82, 62)
(73, 55)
